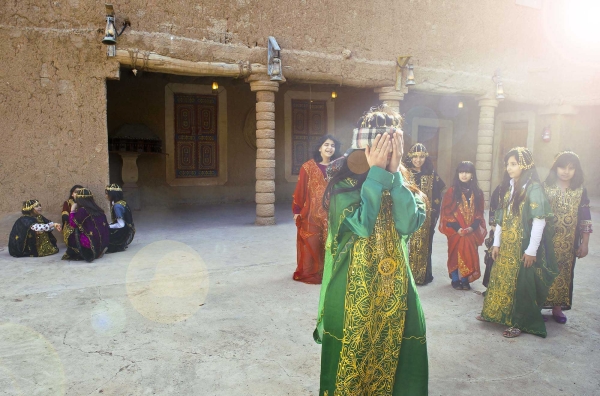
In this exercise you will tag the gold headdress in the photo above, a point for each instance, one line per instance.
(29, 205)
(113, 187)
(525, 159)
(418, 149)
(83, 193)
(381, 117)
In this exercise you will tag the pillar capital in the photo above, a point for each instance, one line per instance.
(486, 102)
(559, 110)
(389, 93)
(271, 86)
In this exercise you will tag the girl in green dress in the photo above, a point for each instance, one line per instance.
(571, 207)
(525, 264)
(370, 322)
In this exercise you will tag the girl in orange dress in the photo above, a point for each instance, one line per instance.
(463, 223)
(309, 214)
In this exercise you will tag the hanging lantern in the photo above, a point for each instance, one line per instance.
(546, 135)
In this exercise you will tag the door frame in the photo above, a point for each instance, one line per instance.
(446, 127)
(287, 114)
(497, 156)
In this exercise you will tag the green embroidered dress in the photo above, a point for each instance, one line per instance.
(516, 294)
(370, 321)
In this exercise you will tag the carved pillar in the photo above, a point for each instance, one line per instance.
(129, 174)
(265, 152)
(391, 97)
(485, 142)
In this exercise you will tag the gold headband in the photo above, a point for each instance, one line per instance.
(29, 205)
(418, 150)
(83, 193)
(113, 187)
(565, 152)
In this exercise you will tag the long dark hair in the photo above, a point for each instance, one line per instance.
(427, 167)
(75, 187)
(472, 185)
(89, 204)
(340, 175)
(527, 176)
(114, 196)
(563, 161)
(336, 154)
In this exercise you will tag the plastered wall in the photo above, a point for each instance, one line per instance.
(53, 116)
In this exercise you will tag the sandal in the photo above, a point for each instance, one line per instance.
(480, 318)
(465, 286)
(511, 332)
(456, 285)
(559, 319)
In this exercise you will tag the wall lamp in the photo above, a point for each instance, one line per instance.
(410, 75)
(274, 60)
(405, 76)
(499, 89)
(333, 95)
(110, 32)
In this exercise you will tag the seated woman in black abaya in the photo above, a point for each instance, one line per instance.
(122, 229)
(31, 235)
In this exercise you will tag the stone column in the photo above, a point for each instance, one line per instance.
(485, 142)
(129, 174)
(391, 97)
(265, 152)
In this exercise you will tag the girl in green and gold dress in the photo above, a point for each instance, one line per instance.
(370, 320)
(571, 208)
(525, 264)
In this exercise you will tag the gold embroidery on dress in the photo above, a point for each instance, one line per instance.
(500, 297)
(534, 205)
(375, 306)
(565, 205)
(419, 241)
(42, 242)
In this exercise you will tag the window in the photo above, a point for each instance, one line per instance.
(309, 124)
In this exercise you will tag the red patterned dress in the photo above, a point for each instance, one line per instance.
(462, 250)
(311, 222)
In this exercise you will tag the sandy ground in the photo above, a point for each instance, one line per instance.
(202, 303)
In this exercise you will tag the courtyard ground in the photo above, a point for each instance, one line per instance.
(202, 303)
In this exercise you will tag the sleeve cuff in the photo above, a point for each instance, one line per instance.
(381, 176)
(398, 180)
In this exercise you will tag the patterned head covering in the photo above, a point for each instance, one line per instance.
(113, 187)
(29, 205)
(377, 121)
(418, 149)
(525, 158)
(83, 193)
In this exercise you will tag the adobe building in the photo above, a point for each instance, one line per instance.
(191, 107)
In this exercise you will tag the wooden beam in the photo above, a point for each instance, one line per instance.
(149, 61)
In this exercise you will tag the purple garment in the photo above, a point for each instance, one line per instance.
(94, 232)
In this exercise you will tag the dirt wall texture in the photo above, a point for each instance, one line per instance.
(53, 112)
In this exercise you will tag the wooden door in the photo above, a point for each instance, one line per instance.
(430, 137)
(514, 134)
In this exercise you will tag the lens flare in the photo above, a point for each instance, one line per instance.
(167, 281)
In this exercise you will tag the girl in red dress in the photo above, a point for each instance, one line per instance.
(463, 223)
(309, 214)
